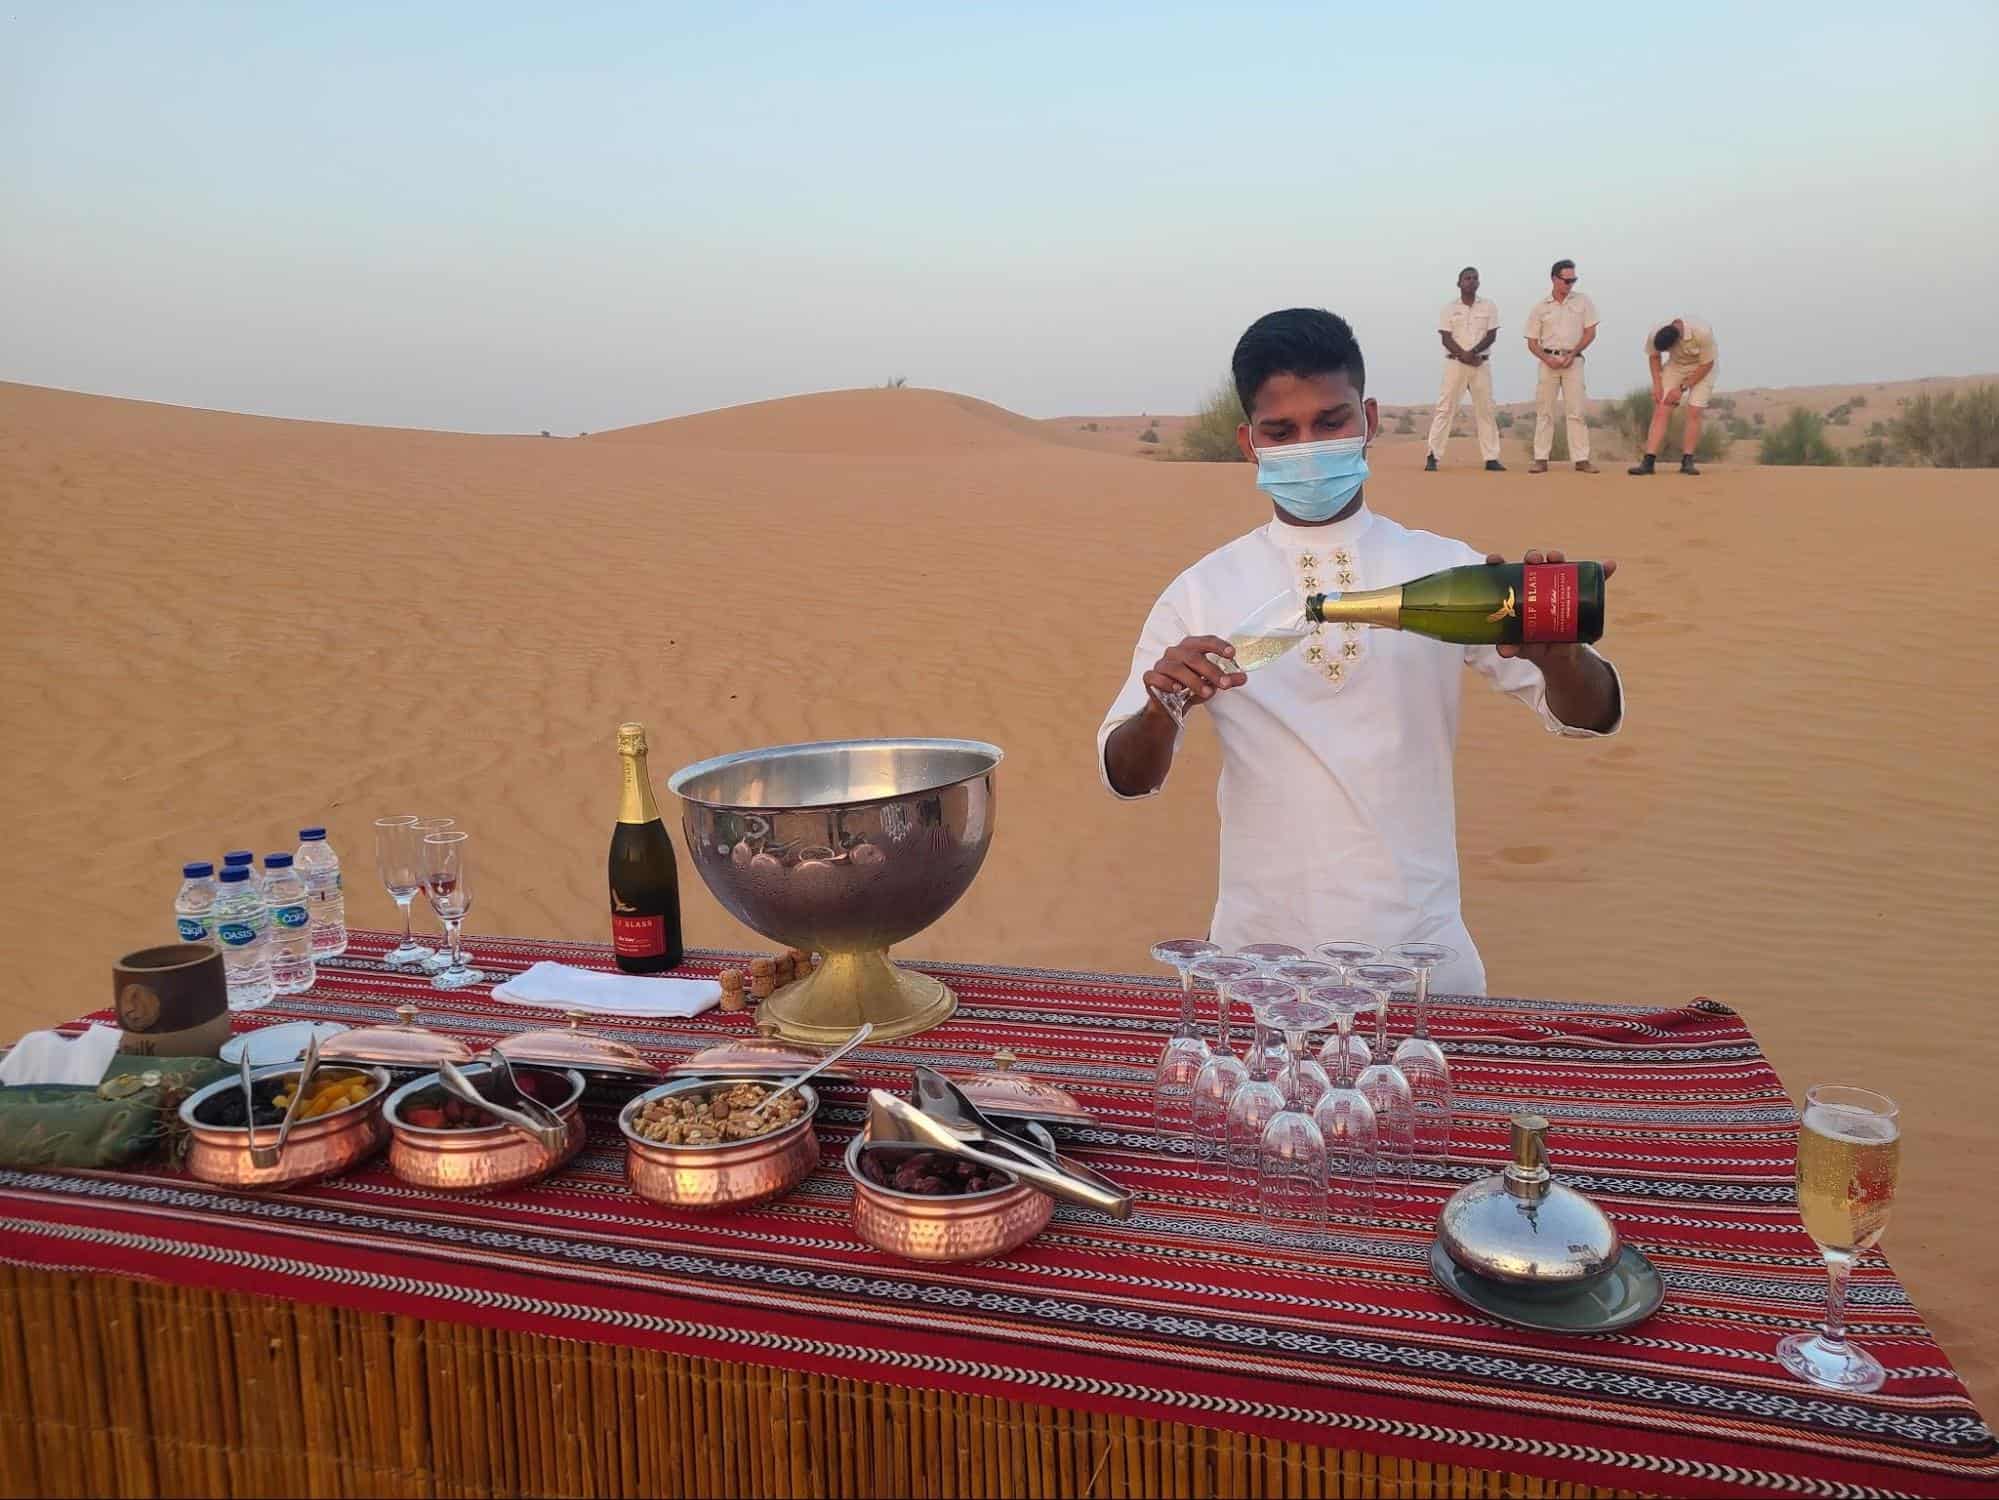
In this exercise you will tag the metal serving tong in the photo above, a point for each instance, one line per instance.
(892, 1120)
(550, 1134)
(265, 1157)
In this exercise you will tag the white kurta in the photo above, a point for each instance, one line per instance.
(1338, 813)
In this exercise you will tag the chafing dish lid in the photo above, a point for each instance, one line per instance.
(1004, 1090)
(755, 1057)
(572, 1047)
(403, 1045)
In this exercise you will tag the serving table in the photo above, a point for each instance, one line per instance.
(362, 1336)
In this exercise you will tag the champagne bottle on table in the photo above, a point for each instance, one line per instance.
(1484, 604)
(645, 884)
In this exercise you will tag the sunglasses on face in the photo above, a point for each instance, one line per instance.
(1566, 280)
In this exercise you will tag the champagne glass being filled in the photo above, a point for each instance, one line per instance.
(447, 880)
(1422, 1060)
(398, 855)
(1849, 1155)
(1186, 1049)
(1223, 1072)
(1271, 630)
(436, 962)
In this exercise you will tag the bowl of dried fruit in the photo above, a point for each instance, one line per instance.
(919, 1204)
(441, 1142)
(711, 1142)
(337, 1124)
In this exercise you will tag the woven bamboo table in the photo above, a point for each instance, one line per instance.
(362, 1337)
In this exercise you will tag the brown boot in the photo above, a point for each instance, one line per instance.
(1539, 466)
(1586, 467)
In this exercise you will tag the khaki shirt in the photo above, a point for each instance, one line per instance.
(1695, 348)
(1560, 325)
(1468, 325)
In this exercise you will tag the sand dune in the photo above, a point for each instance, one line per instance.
(222, 627)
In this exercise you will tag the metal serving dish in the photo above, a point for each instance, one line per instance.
(599, 1059)
(966, 1226)
(755, 1057)
(729, 1174)
(483, 1159)
(404, 1048)
(322, 1147)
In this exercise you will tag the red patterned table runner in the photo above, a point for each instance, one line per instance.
(1673, 1120)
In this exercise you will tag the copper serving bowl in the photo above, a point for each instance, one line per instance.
(321, 1147)
(963, 1226)
(729, 1174)
(480, 1159)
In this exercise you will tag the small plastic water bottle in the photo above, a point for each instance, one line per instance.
(292, 967)
(195, 901)
(242, 927)
(241, 857)
(319, 867)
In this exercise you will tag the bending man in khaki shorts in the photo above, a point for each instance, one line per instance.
(1560, 327)
(1682, 353)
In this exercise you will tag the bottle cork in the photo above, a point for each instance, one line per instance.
(761, 968)
(733, 1000)
(730, 979)
(784, 971)
(761, 986)
(801, 961)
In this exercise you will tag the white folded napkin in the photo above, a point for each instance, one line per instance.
(565, 987)
(50, 1057)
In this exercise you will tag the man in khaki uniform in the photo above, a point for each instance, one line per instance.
(1682, 353)
(1467, 325)
(1560, 327)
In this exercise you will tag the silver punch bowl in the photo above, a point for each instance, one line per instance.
(844, 848)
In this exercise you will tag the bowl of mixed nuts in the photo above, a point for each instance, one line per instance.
(715, 1143)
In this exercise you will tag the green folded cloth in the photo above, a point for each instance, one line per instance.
(130, 1116)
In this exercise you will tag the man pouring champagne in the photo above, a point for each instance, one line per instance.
(1336, 796)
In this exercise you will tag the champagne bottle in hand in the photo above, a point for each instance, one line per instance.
(645, 884)
(1484, 604)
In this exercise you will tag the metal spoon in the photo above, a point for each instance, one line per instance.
(508, 1091)
(460, 1088)
(891, 1120)
(867, 1030)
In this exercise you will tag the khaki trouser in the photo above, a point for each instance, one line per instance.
(1457, 376)
(1569, 383)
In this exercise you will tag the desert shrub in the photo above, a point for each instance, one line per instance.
(1798, 439)
(1559, 454)
(1757, 420)
(895, 382)
(1406, 424)
(1877, 429)
(1857, 402)
(1592, 421)
(1959, 430)
(1840, 415)
(544, 433)
(1874, 453)
(1504, 420)
(1722, 404)
(1737, 429)
(1631, 416)
(1210, 437)
(1150, 435)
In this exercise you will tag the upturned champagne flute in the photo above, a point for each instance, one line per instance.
(1381, 1081)
(1186, 1049)
(398, 853)
(1344, 1116)
(1305, 974)
(438, 961)
(1422, 1060)
(1220, 1075)
(1345, 953)
(447, 881)
(1849, 1156)
(1257, 1097)
(1291, 1156)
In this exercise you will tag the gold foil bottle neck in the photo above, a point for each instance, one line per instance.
(631, 739)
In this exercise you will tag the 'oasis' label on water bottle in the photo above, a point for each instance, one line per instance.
(236, 934)
(192, 931)
(289, 916)
(1550, 601)
(638, 937)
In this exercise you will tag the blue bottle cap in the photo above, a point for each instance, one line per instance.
(197, 869)
(237, 857)
(277, 861)
(235, 873)
(310, 834)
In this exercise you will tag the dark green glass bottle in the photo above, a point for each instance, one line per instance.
(1484, 604)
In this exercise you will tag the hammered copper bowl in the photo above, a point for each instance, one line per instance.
(322, 1147)
(731, 1174)
(966, 1226)
(482, 1159)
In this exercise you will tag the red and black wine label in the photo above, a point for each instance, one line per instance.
(638, 937)
(1550, 601)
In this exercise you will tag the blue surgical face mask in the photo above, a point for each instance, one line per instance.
(1313, 481)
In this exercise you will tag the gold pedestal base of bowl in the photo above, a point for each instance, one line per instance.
(826, 1006)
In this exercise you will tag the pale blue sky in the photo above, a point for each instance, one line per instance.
(510, 217)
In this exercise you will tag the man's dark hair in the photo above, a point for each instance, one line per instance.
(1665, 338)
(1301, 341)
(1560, 266)
(1472, 269)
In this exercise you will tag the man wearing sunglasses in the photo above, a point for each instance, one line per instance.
(1560, 327)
